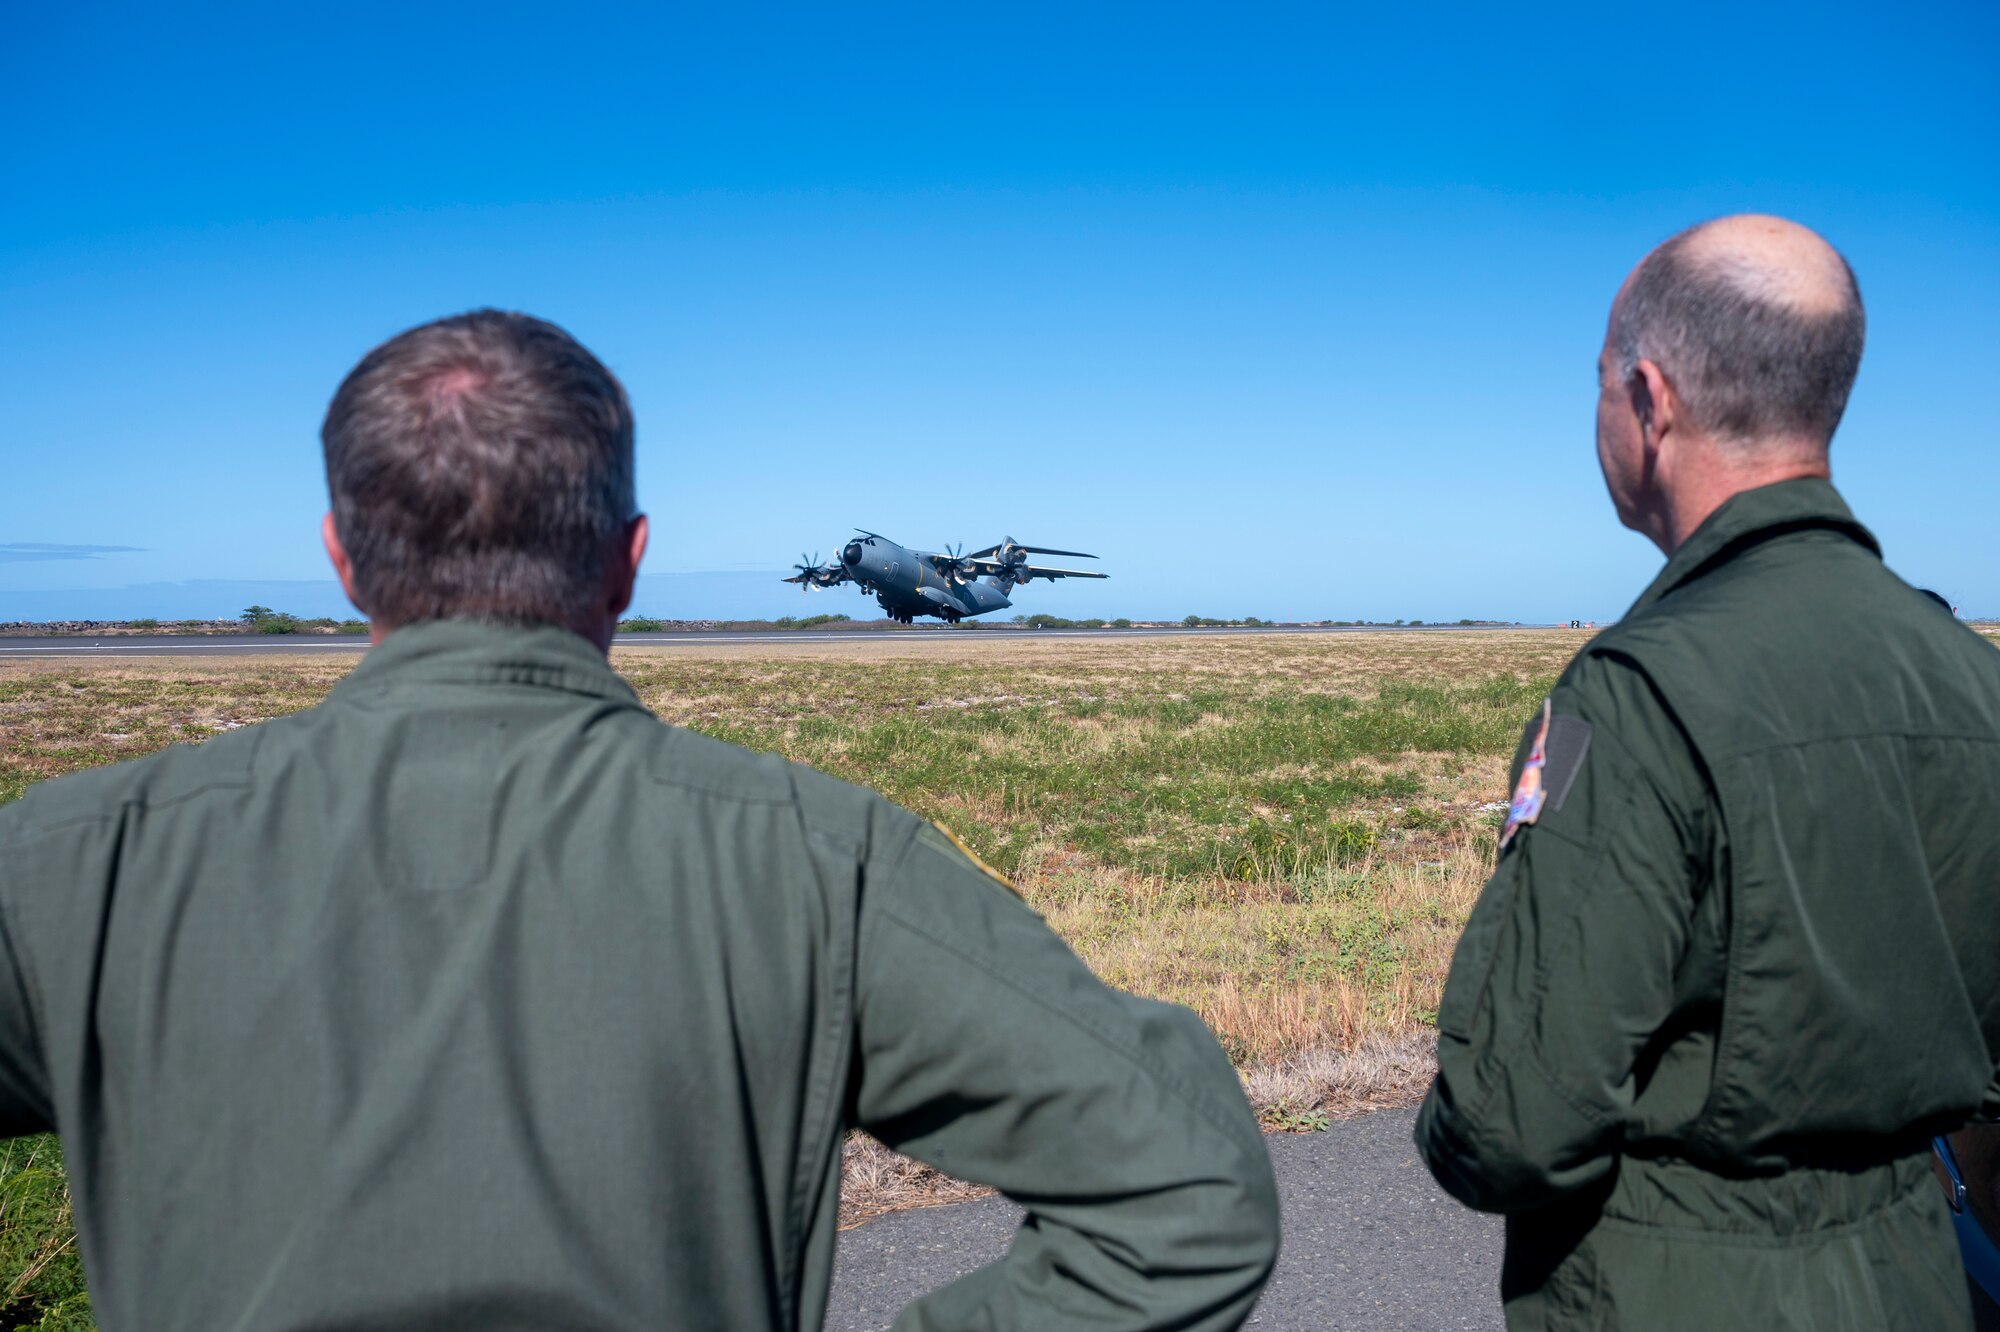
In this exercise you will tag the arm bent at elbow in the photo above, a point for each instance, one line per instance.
(1527, 1155)
(989, 1051)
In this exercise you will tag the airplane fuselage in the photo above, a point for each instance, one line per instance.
(906, 585)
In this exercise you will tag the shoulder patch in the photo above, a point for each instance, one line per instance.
(1555, 756)
(1569, 741)
(935, 831)
(1525, 805)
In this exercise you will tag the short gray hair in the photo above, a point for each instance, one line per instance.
(1746, 363)
(480, 466)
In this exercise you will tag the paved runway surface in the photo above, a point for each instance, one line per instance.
(1370, 1243)
(225, 645)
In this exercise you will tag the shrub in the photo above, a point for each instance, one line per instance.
(264, 620)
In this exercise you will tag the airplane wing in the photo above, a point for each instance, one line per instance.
(1024, 572)
(1010, 543)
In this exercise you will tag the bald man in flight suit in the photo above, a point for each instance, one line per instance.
(1740, 957)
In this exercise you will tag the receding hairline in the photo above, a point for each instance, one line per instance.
(1755, 321)
(1769, 259)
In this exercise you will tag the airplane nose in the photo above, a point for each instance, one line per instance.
(851, 553)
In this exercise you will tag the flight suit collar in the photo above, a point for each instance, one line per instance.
(476, 652)
(1752, 516)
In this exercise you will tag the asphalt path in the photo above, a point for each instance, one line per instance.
(238, 645)
(1370, 1243)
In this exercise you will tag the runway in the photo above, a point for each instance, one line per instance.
(240, 645)
(1371, 1244)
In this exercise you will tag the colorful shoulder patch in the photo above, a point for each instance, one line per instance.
(1526, 804)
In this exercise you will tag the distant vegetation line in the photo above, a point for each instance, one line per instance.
(648, 625)
(265, 620)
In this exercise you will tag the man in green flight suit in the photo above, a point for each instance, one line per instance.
(1740, 957)
(475, 997)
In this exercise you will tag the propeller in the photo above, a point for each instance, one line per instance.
(810, 574)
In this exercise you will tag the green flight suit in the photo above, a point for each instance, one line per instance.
(1717, 995)
(475, 997)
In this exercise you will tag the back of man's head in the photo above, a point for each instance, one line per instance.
(480, 466)
(1755, 321)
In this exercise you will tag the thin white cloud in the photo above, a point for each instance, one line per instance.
(22, 552)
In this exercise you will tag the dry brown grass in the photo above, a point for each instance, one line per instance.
(875, 1181)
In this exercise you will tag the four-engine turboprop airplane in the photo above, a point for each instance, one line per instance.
(948, 584)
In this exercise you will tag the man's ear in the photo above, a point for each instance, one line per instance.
(623, 572)
(337, 553)
(1654, 401)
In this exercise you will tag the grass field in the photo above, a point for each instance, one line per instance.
(1283, 832)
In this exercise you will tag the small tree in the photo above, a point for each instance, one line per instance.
(267, 621)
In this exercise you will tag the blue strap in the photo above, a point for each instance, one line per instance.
(1975, 1247)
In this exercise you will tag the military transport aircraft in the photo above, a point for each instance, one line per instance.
(948, 584)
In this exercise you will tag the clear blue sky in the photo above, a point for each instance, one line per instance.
(1282, 311)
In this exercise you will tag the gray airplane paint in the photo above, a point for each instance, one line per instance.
(947, 584)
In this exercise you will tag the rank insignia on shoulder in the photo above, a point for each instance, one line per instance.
(1526, 804)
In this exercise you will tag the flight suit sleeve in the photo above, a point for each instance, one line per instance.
(24, 1091)
(985, 1048)
(1567, 966)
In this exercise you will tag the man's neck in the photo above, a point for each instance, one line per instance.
(1690, 505)
(599, 633)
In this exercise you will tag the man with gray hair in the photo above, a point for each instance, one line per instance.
(476, 997)
(1740, 956)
